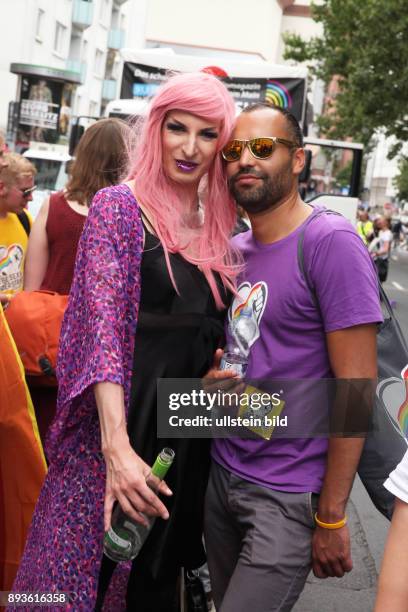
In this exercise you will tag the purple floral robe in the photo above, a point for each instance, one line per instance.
(64, 546)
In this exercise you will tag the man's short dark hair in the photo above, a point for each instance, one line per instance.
(292, 123)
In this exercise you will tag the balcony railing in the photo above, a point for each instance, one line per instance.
(109, 89)
(82, 13)
(78, 67)
(116, 39)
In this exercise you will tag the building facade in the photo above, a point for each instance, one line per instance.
(82, 36)
(230, 27)
(85, 36)
(380, 174)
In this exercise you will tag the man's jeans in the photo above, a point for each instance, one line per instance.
(258, 543)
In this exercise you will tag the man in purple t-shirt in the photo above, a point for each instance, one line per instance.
(261, 533)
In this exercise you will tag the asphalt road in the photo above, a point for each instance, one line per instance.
(356, 591)
(397, 286)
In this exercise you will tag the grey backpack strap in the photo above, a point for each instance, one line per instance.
(305, 274)
(300, 252)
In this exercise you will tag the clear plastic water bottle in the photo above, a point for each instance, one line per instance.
(125, 538)
(233, 359)
(243, 331)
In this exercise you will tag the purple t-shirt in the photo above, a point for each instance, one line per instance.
(290, 342)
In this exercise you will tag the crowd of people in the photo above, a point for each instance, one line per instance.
(380, 235)
(140, 239)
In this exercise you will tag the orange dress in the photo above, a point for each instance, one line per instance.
(22, 462)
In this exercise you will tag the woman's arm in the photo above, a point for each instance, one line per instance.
(37, 257)
(95, 343)
(126, 472)
(385, 249)
(392, 593)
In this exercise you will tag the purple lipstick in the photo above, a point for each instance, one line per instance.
(186, 166)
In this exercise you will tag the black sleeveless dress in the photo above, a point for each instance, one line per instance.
(176, 337)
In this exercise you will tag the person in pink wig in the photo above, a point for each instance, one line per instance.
(151, 283)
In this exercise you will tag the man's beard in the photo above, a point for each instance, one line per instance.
(272, 189)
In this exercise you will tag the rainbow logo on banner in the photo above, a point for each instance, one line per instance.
(403, 411)
(277, 94)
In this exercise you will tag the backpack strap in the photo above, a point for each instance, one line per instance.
(305, 274)
(25, 222)
(300, 252)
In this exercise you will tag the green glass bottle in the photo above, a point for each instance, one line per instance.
(125, 538)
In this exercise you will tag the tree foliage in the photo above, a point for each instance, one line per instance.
(401, 180)
(343, 176)
(364, 44)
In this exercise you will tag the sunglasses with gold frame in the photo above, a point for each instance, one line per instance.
(261, 147)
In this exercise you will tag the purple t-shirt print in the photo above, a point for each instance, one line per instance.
(245, 314)
(291, 339)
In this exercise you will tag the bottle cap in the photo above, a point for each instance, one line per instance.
(163, 462)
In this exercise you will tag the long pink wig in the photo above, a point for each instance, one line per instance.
(205, 96)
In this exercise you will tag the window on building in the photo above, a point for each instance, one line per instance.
(114, 24)
(104, 10)
(116, 69)
(60, 36)
(84, 53)
(40, 24)
(99, 67)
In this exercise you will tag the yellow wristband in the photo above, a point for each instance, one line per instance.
(337, 525)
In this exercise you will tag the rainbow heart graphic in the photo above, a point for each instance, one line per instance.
(403, 411)
(393, 393)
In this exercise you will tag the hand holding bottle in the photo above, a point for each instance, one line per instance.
(216, 372)
(125, 471)
(221, 380)
(217, 378)
(126, 475)
(125, 537)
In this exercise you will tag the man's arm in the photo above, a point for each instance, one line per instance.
(352, 354)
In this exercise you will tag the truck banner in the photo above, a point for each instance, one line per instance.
(248, 82)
